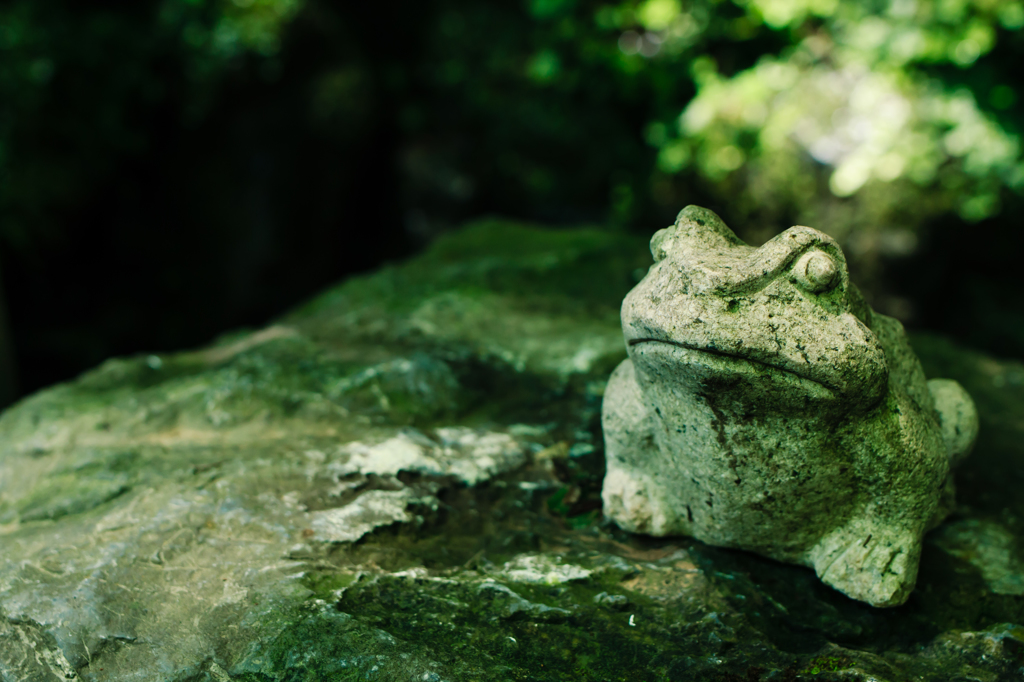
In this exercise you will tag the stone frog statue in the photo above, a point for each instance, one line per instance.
(765, 406)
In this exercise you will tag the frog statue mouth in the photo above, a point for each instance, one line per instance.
(731, 359)
(843, 364)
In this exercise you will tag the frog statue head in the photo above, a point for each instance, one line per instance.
(765, 406)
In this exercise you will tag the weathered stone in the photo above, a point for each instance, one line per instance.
(173, 505)
(765, 406)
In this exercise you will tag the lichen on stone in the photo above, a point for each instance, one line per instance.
(765, 406)
(159, 515)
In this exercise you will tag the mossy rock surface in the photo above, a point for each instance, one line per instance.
(400, 481)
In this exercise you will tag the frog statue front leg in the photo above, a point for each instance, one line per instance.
(765, 406)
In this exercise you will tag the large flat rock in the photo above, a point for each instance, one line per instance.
(400, 481)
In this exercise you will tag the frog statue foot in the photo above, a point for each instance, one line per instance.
(765, 406)
(877, 567)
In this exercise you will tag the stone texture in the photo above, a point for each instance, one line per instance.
(765, 406)
(158, 516)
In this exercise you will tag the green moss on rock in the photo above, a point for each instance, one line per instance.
(158, 516)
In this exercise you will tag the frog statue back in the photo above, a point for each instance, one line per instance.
(765, 406)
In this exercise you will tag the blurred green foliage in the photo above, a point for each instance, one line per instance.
(245, 129)
(837, 113)
(856, 107)
(780, 107)
(82, 84)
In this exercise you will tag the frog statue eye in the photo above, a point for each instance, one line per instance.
(816, 271)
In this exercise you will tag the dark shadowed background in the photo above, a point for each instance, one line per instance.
(173, 169)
